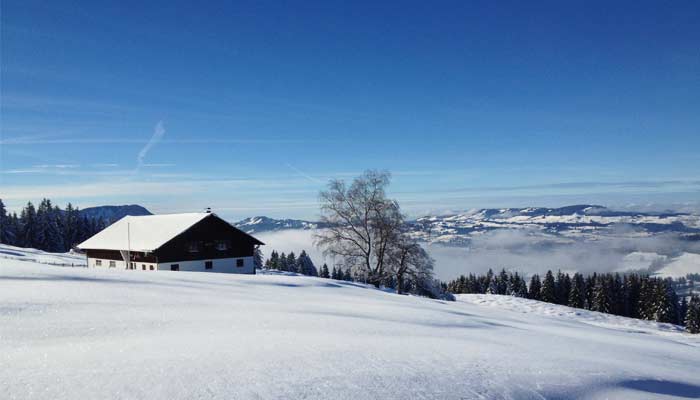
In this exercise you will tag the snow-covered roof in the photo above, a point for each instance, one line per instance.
(142, 233)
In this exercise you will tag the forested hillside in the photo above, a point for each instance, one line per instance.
(47, 227)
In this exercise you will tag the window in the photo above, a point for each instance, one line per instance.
(98, 263)
(193, 247)
(208, 265)
(222, 245)
(112, 264)
(151, 268)
(174, 267)
(239, 262)
(133, 265)
(143, 266)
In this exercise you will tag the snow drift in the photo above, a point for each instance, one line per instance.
(68, 333)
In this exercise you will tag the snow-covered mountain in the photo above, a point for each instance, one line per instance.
(581, 221)
(582, 238)
(265, 224)
(72, 333)
(577, 221)
(111, 214)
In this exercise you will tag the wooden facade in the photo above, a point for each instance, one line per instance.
(203, 239)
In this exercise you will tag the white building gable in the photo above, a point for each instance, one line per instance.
(142, 233)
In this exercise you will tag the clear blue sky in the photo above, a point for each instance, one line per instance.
(469, 104)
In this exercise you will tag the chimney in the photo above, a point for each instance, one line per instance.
(208, 210)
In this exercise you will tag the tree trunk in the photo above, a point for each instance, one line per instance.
(399, 284)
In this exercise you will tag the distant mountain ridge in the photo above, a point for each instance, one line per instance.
(576, 221)
(581, 221)
(266, 224)
(110, 214)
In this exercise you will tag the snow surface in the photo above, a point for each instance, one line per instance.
(39, 256)
(686, 263)
(142, 233)
(75, 333)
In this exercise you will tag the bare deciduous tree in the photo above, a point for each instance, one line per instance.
(362, 224)
(407, 259)
(368, 233)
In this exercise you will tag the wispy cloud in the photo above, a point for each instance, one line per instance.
(59, 166)
(304, 174)
(158, 133)
(104, 165)
(157, 165)
(52, 139)
(565, 186)
(102, 189)
(92, 170)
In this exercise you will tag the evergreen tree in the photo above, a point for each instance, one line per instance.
(617, 295)
(69, 226)
(558, 277)
(666, 303)
(283, 262)
(347, 276)
(41, 234)
(511, 285)
(274, 261)
(84, 229)
(334, 274)
(631, 289)
(577, 295)
(493, 286)
(502, 282)
(535, 287)
(548, 291)
(324, 271)
(28, 227)
(522, 287)
(12, 229)
(4, 231)
(602, 299)
(656, 303)
(647, 294)
(650, 298)
(486, 281)
(292, 263)
(562, 287)
(590, 285)
(458, 285)
(473, 284)
(305, 266)
(258, 258)
(692, 316)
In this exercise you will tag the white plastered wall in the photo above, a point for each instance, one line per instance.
(226, 265)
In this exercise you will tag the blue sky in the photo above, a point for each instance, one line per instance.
(250, 107)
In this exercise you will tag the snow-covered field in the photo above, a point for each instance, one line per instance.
(686, 263)
(75, 333)
(42, 257)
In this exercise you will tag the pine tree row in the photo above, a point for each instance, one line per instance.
(413, 284)
(47, 227)
(629, 295)
(291, 263)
